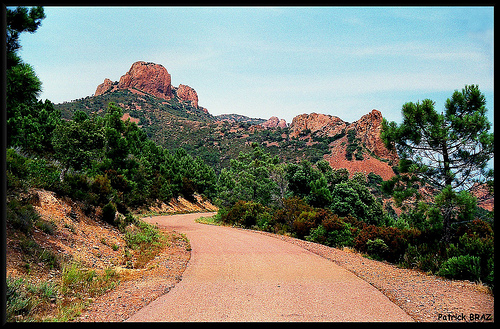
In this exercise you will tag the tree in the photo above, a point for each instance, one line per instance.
(449, 149)
(78, 142)
(20, 20)
(29, 122)
(249, 178)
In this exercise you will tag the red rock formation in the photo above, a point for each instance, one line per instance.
(188, 94)
(368, 131)
(326, 125)
(274, 122)
(151, 78)
(104, 87)
(367, 135)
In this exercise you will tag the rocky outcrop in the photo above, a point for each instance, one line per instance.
(370, 153)
(274, 122)
(368, 132)
(322, 124)
(149, 77)
(154, 79)
(188, 94)
(104, 87)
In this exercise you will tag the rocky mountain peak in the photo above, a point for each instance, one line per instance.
(148, 77)
(188, 94)
(274, 122)
(322, 124)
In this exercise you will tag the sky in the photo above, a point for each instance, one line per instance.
(273, 61)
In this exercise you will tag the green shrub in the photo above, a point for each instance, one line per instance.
(78, 282)
(318, 235)
(341, 238)
(475, 246)
(244, 213)
(21, 216)
(304, 223)
(141, 233)
(108, 213)
(424, 257)
(291, 210)
(396, 240)
(77, 186)
(377, 247)
(18, 302)
(461, 267)
(264, 221)
(46, 227)
(42, 174)
(16, 169)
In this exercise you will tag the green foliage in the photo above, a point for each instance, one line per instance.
(292, 208)
(352, 197)
(142, 235)
(29, 122)
(246, 214)
(21, 216)
(250, 177)
(450, 150)
(23, 298)
(377, 247)
(78, 143)
(108, 213)
(461, 267)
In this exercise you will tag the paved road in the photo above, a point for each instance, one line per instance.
(239, 275)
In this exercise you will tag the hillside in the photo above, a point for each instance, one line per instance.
(67, 242)
(172, 117)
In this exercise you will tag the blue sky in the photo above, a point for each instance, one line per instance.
(273, 61)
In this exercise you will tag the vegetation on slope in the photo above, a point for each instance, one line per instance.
(259, 178)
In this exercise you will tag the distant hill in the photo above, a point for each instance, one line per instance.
(172, 117)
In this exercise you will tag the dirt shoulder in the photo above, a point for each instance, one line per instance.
(142, 286)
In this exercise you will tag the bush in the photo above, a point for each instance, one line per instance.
(341, 238)
(304, 223)
(76, 186)
(244, 213)
(16, 169)
(140, 234)
(424, 257)
(291, 210)
(264, 221)
(461, 267)
(108, 213)
(101, 188)
(21, 216)
(42, 174)
(481, 247)
(317, 235)
(377, 248)
(397, 240)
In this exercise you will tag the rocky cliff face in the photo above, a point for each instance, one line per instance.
(362, 151)
(368, 131)
(188, 94)
(274, 122)
(151, 78)
(148, 77)
(321, 124)
(104, 87)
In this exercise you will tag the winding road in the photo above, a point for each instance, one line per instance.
(240, 275)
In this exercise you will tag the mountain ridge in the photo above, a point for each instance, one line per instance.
(172, 116)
